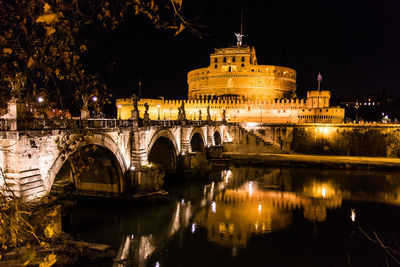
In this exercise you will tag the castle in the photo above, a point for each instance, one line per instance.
(235, 88)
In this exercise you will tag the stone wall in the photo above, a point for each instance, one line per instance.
(340, 139)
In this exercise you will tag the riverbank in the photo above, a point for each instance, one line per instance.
(315, 161)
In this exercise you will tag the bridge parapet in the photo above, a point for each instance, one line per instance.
(56, 124)
(32, 154)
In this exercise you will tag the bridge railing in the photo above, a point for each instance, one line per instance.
(8, 124)
(54, 124)
(33, 124)
(177, 122)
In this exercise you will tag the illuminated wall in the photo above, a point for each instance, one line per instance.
(310, 110)
(248, 92)
(234, 72)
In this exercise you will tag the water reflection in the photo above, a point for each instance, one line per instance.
(246, 202)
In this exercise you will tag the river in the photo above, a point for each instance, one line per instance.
(245, 216)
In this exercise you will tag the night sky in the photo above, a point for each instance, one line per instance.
(354, 44)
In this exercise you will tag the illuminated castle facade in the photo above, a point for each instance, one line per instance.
(236, 88)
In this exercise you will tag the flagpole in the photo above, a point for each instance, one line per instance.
(319, 79)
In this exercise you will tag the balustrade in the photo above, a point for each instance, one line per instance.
(33, 124)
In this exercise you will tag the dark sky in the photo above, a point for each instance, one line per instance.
(354, 44)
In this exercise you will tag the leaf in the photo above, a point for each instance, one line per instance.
(49, 260)
(181, 28)
(50, 31)
(30, 62)
(7, 51)
(49, 231)
(178, 4)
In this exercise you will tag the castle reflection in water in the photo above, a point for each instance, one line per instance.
(246, 202)
(266, 204)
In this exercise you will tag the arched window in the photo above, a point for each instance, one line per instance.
(215, 60)
(242, 59)
(224, 59)
(233, 59)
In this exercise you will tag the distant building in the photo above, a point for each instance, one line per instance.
(235, 85)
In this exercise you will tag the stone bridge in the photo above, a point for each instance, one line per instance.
(35, 153)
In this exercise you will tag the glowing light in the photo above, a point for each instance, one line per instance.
(259, 208)
(250, 188)
(158, 105)
(228, 175)
(251, 125)
(157, 264)
(228, 138)
(214, 207)
(132, 168)
(119, 106)
(323, 191)
(353, 215)
(40, 99)
(324, 130)
(183, 201)
(193, 228)
(132, 236)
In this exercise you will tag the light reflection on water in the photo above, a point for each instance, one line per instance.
(219, 223)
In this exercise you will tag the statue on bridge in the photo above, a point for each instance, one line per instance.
(223, 115)
(199, 114)
(85, 113)
(208, 113)
(181, 112)
(146, 116)
(135, 110)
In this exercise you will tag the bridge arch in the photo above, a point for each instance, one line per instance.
(104, 142)
(197, 140)
(163, 150)
(217, 136)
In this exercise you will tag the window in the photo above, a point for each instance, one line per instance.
(242, 59)
(230, 69)
(242, 64)
(224, 59)
(215, 60)
(215, 66)
(233, 59)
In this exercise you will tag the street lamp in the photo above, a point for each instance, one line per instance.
(119, 111)
(357, 107)
(40, 99)
(158, 117)
(164, 113)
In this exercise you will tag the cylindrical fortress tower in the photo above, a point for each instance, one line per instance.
(234, 72)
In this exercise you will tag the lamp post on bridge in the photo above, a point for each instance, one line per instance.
(119, 111)
(357, 107)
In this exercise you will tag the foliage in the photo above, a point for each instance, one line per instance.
(24, 227)
(42, 43)
(73, 148)
(201, 164)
